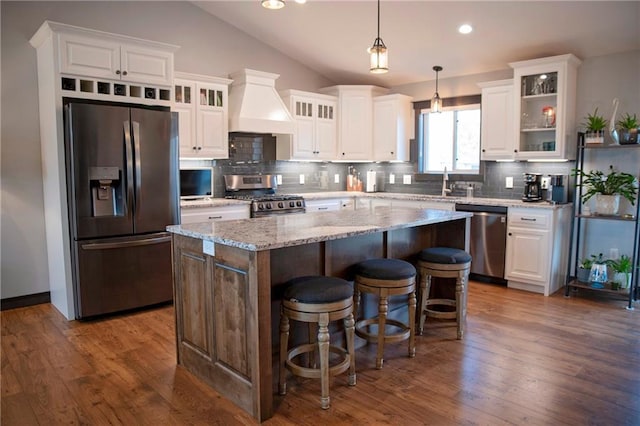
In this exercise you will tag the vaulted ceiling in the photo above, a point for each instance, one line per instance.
(331, 37)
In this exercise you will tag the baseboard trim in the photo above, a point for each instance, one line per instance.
(23, 301)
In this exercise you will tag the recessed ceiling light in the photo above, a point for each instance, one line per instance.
(465, 29)
(301, 1)
(273, 4)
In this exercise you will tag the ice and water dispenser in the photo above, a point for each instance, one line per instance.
(104, 181)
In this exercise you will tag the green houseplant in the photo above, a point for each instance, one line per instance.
(584, 268)
(628, 129)
(594, 128)
(607, 189)
(622, 268)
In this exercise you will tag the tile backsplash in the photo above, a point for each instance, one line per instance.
(320, 177)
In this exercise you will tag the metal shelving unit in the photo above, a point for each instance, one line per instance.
(579, 218)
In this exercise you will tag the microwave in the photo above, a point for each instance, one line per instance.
(196, 182)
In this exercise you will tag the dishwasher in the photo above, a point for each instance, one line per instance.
(487, 242)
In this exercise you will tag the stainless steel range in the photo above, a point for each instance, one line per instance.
(261, 191)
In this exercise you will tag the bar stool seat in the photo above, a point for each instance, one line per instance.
(384, 278)
(444, 262)
(317, 299)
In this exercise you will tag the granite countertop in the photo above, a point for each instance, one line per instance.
(278, 231)
(503, 202)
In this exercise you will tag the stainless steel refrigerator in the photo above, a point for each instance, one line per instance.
(122, 191)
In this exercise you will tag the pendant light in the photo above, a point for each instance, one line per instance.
(273, 4)
(379, 56)
(436, 102)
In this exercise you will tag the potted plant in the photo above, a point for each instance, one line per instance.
(594, 128)
(607, 189)
(622, 268)
(628, 129)
(584, 269)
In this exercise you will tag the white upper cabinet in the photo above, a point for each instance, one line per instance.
(203, 121)
(314, 137)
(392, 127)
(98, 55)
(355, 120)
(497, 140)
(545, 97)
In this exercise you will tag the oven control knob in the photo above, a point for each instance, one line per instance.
(260, 206)
(299, 203)
(292, 204)
(281, 204)
(268, 206)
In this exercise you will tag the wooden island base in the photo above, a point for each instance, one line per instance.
(224, 304)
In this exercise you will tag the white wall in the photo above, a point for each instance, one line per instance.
(208, 46)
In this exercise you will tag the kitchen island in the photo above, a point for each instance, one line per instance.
(228, 277)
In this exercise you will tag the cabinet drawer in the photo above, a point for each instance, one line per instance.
(529, 218)
(205, 214)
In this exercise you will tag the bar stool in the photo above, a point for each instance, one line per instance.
(317, 299)
(444, 262)
(384, 278)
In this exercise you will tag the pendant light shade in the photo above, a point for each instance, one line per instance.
(273, 4)
(378, 52)
(436, 102)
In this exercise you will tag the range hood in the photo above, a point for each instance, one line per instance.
(255, 106)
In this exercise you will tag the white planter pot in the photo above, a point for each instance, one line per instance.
(594, 138)
(623, 279)
(607, 205)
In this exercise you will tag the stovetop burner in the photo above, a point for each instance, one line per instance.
(260, 190)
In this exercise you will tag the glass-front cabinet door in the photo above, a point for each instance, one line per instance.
(545, 91)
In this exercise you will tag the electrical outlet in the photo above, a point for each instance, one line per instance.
(336, 178)
(406, 179)
(301, 179)
(392, 178)
(279, 179)
(545, 182)
(508, 183)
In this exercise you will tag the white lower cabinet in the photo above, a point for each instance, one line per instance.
(537, 248)
(329, 204)
(207, 214)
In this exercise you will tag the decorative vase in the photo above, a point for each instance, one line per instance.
(623, 279)
(598, 276)
(607, 205)
(594, 138)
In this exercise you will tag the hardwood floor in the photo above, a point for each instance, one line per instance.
(525, 359)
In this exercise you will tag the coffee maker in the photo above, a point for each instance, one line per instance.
(532, 187)
(559, 192)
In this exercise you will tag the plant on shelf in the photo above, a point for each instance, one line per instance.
(594, 128)
(607, 189)
(584, 268)
(628, 129)
(622, 268)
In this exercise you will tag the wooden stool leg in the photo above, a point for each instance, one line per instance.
(383, 309)
(460, 304)
(412, 324)
(323, 348)
(349, 329)
(356, 301)
(284, 346)
(425, 285)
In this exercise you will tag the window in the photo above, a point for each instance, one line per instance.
(451, 139)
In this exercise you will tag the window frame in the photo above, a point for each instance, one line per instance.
(418, 107)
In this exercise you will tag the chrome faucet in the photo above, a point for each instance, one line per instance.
(445, 178)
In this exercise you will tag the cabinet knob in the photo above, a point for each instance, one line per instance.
(391, 152)
(515, 150)
(509, 234)
(483, 150)
(194, 148)
(124, 73)
(118, 72)
(199, 148)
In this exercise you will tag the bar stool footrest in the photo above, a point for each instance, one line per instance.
(432, 313)
(391, 338)
(314, 373)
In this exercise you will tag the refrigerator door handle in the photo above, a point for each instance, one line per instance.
(136, 146)
(129, 159)
(143, 242)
